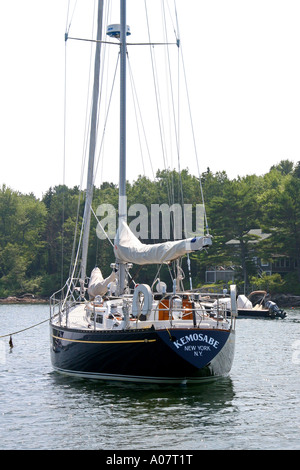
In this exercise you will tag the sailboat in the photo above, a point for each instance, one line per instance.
(101, 328)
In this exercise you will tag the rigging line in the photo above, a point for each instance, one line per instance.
(24, 329)
(169, 176)
(68, 28)
(136, 105)
(98, 221)
(136, 102)
(68, 8)
(137, 124)
(64, 142)
(85, 142)
(171, 85)
(190, 114)
(75, 232)
(76, 260)
(118, 43)
(142, 122)
(176, 32)
(170, 272)
(175, 28)
(65, 126)
(83, 157)
(175, 124)
(156, 275)
(64, 165)
(107, 115)
(80, 192)
(176, 130)
(74, 268)
(104, 94)
(151, 43)
(83, 163)
(194, 142)
(88, 108)
(156, 91)
(103, 51)
(99, 101)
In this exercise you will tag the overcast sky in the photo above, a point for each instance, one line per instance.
(243, 64)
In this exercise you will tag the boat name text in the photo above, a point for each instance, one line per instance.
(196, 337)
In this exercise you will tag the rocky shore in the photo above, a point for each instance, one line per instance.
(286, 300)
(24, 299)
(282, 300)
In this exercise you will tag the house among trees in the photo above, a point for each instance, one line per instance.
(283, 264)
(280, 264)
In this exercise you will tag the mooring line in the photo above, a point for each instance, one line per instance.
(24, 329)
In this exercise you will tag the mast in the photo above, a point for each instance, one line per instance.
(92, 147)
(122, 168)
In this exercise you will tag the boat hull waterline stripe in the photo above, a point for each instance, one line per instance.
(104, 342)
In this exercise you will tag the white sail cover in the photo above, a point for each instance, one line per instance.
(129, 249)
(98, 285)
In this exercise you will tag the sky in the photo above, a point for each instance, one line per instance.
(242, 60)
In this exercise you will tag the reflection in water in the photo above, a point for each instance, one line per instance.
(151, 417)
(216, 393)
(257, 407)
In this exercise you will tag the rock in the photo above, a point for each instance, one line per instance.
(286, 300)
(27, 299)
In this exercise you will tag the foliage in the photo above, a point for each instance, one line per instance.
(37, 236)
(272, 284)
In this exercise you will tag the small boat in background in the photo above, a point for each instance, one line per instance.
(258, 305)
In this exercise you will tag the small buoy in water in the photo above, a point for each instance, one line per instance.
(10, 342)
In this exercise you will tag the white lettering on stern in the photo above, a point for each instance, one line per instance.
(196, 337)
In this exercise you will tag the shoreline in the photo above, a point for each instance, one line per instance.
(286, 300)
(26, 299)
(282, 300)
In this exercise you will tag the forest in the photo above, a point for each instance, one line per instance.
(37, 235)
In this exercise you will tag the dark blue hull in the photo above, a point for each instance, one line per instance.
(143, 355)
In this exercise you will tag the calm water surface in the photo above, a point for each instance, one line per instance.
(257, 407)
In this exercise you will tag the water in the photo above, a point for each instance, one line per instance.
(257, 407)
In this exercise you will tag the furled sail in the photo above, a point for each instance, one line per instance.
(129, 249)
(98, 285)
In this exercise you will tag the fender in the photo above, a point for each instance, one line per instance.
(137, 311)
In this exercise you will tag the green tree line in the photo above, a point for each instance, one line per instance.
(37, 235)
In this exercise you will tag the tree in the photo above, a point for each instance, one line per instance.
(232, 215)
(37, 236)
(21, 249)
(8, 214)
(62, 205)
(282, 217)
(285, 167)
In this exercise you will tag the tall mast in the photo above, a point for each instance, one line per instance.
(122, 167)
(92, 147)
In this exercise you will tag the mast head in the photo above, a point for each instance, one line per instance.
(114, 31)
